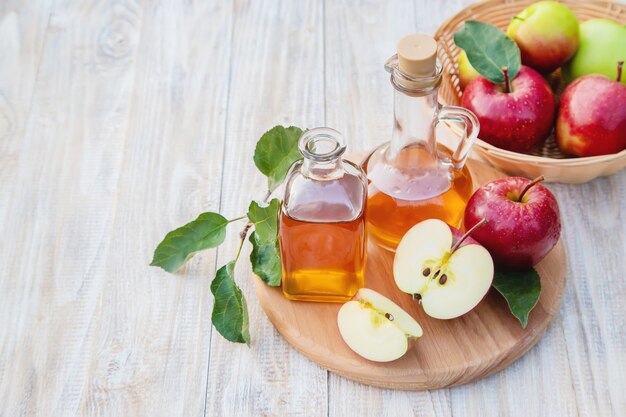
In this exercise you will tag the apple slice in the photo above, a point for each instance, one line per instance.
(449, 276)
(375, 327)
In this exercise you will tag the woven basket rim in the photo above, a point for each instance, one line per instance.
(516, 156)
(582, 160)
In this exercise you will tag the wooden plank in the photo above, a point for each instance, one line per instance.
(277, 78)
(592, 318)
(97, 331)
(150, 353)
(22, 30)
(360, 37)
(60, 204)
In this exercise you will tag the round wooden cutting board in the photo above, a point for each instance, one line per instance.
(451, 352)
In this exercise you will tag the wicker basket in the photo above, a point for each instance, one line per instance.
(548, 160)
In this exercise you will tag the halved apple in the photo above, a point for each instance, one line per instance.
(375, 327)
(448, 277)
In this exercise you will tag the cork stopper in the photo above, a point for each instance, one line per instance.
(417, 55)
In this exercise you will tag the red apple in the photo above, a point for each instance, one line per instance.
(592, 116)
(516, 118)
(523, 221)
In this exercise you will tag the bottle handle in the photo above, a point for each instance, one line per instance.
(471, 127)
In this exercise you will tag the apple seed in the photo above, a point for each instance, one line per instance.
(389, 316)
(443, 279)
(426, 272)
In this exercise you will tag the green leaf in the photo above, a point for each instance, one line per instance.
(230, 312)
(488, 49)
(520, 289)
(276, 151)
(207, 231)
(265, 219)
(265, 259)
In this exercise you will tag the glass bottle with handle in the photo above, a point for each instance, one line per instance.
(413, 177)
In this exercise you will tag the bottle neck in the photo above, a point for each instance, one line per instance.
(328, 170)
(414, 115)
(322, 148)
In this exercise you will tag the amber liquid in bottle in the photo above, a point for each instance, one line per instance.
(414, 177)
(322, 225)
(322, 261)
(389, 218)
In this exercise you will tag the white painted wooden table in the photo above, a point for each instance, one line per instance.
(120, 120)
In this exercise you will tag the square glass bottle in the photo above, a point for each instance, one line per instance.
(322, 228)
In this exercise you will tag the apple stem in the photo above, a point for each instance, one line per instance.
(466, 235)
(507, 82)
(529, 186)
(620, 64)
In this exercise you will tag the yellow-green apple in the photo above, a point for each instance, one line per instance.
(523, 221)
(546, 33)
(448, 274)
(602, 44)
(375, 327)
(466, 72)
(516, 116)
(592, 116)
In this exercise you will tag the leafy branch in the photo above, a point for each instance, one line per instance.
(274, 154)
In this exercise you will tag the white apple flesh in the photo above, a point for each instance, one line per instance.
(448, 282)
(375, 327)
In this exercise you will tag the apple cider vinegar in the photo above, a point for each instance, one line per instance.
(322, 227)
(413, 177)
(322, 261)
(390, 217)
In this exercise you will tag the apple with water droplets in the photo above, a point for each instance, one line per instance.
(592, 116)
(517, 115)
(447, 271)
(375, 327)
(523, 221)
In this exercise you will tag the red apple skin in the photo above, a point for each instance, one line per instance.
(515, 121)
(592, 117)
(457, 234)
(517, 234)
(546, 56)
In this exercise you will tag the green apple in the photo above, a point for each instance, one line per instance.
(602, 45)
(466, 72)
(547, 35)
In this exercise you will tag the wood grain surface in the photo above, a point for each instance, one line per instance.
(451, 352)
(121, 120)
